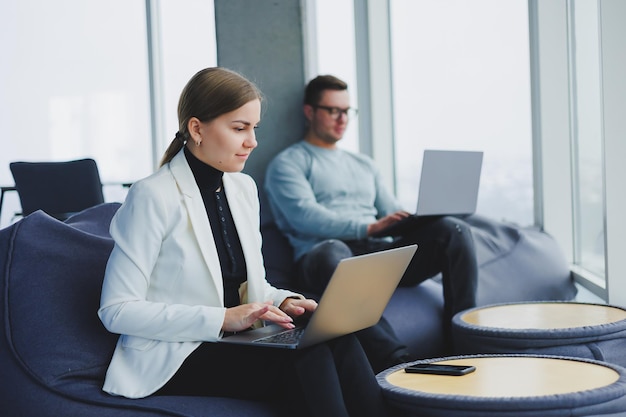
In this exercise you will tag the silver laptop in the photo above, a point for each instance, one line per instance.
(448, 186)
(354, 299)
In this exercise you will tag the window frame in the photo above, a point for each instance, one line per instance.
(551, 124)
(552, 112)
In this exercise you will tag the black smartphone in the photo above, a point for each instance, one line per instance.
(439, 369)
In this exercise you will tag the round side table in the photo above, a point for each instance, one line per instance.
(583, 330)
(509, 386)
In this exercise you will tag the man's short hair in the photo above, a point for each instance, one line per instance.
(317, 85)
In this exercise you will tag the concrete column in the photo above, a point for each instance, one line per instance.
(263, 40)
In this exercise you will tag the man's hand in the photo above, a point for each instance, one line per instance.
(243, 316)
(296, 307)
(386, 221)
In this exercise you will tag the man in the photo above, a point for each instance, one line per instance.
(331, 203)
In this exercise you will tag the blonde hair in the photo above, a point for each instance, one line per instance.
(210, 93)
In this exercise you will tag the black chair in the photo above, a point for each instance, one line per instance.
(58, 188)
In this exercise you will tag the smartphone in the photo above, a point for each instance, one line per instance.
(439, 369)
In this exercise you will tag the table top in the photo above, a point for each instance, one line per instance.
(510, 376)
(543, 315)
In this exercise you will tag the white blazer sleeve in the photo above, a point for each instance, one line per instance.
(146, 269)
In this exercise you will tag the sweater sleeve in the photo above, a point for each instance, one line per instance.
(294, 204)
(139, 228)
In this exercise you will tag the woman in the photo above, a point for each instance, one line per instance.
(187, 267)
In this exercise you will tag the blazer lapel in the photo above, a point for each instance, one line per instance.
(246, 218)
(240, 212)
(198, 217)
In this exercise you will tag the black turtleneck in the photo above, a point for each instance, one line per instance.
(229, 250)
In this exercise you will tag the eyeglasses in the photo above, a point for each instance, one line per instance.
(336, 112)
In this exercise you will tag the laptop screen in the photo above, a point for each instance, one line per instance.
(449, 182)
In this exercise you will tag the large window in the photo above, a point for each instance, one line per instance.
(187, 40)
(334, 50)
(75, 82)
(74, 85)
(461, 80)
(578, 101)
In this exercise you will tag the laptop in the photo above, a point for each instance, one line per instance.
(448, 186)
(354, 299)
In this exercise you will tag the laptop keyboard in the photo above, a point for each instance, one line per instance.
(290, 336)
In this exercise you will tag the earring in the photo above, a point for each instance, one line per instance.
(198, 142)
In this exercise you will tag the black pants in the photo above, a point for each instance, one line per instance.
(445, 245)
(325, 380)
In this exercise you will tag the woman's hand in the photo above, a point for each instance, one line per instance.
(243, 316)
(385, 222)
(296, 307)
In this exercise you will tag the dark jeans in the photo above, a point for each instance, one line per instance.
(445, 245)
(328, 379)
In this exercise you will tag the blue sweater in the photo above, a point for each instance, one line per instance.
(317, 194)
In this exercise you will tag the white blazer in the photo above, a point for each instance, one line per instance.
(163, 289)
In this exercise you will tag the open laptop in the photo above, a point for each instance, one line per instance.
(448, 186)
(354, 299)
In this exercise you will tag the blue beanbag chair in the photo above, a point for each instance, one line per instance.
(54, 351)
